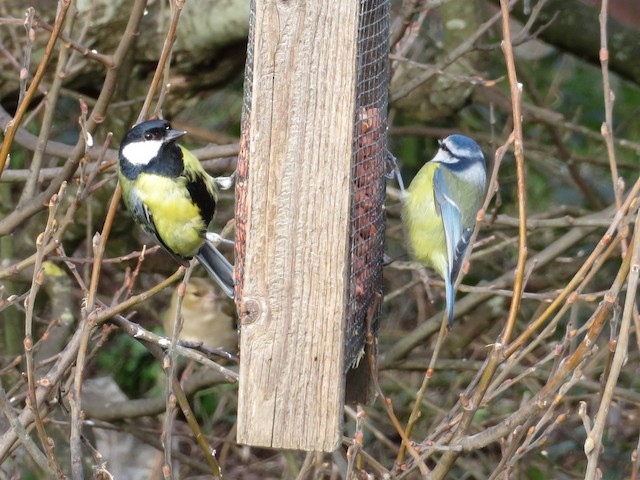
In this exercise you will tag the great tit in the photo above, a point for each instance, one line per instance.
(208, 317)
(171, 196)
(440, 209)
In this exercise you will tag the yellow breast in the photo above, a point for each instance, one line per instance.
(423, 222)
(176, 218)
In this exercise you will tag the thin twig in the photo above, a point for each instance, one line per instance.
(353, 452)
(607, 126)
(52, 96)
(87, 325)
(593, 443)
(32, 449)
(415, 411)
(387, 401)
(456, 53)
(63, 7)
(518, 143)
(169, 367)
(106, 60)
(176, 9)
(208, 452)
(32, 403)
(584, 269)
(15, 218)
(496, 356)
(541, 399)
(67, 357)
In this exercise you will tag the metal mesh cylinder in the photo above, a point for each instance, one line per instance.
(369, 158)
(242, 170)
(368, 180)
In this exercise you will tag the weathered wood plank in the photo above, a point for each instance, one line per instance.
(293, 297)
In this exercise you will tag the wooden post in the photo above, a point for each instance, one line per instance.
(293, 294)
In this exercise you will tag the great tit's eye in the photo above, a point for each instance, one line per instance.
(148, 136)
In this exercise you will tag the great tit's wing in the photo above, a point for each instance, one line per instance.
(203, 191)
(201, 185)
(142, 214)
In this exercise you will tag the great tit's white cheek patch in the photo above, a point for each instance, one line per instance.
(141, 153)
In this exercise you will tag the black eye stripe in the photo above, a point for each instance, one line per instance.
(457, 157)
(444, 148)
(155, 133)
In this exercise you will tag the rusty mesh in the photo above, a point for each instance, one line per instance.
(368, 173)
(369, 159)
(242, 170)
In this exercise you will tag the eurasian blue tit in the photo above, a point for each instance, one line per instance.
(171, 196)
(441, 206)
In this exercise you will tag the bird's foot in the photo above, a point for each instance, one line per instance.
(426, 282)
(224, 183)
(216, 239)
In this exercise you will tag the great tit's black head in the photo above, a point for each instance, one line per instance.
(148, 140)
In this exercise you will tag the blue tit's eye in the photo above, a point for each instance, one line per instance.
(148, 136)
(443, 146)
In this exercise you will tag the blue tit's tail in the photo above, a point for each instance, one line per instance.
(450, 294)
(217, 266)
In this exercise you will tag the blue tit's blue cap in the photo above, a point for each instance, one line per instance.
(462, 146)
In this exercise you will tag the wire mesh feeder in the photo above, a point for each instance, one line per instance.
(368, 179)
(309, 216)
(242, 169)
(367, 212)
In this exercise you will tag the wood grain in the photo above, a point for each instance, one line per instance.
(297, 226)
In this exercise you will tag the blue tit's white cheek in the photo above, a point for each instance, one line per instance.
(444, 157)
(474, 174)
(141, 153)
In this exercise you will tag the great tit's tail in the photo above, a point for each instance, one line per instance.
(450, 294)
(217, 266)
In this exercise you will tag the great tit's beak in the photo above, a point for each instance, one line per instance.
(173, 134)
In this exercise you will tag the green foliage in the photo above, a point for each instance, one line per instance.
(133, 368)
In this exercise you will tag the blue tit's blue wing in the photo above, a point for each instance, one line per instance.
(451, 219)
(458, 255)
(454, 233)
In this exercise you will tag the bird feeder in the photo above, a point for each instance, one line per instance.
(309, 214)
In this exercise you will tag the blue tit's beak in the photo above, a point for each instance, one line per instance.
(173, 135)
